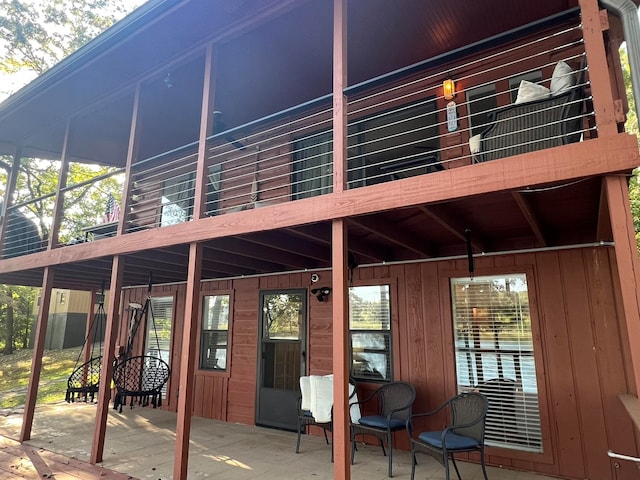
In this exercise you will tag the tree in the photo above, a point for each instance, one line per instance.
(34, 36)
(632, 127)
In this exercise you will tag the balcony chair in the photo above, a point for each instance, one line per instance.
(317, 390)
(393, 403)
(464, 432)
(540, 118)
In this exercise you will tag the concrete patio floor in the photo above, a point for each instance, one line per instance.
(141, 441)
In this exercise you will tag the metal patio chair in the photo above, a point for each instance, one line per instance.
(394, 403)
(464, 432)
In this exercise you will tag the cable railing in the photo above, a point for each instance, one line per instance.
(409, 128)
(27, 227)
(399, 125)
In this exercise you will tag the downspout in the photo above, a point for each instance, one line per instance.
(627, 11)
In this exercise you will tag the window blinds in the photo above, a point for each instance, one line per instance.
(494, 355)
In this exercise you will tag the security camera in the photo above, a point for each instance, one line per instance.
(314, 277)
(321, 293)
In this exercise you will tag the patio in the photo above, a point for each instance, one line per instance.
(140, 442)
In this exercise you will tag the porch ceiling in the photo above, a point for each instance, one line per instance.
(273, 54)
(549, 216)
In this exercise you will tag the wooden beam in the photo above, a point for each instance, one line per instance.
(8, 195)
(530, 217)
(603, 104)
(58, 204)
(108, 357)
(568, 162)
(339, 249)
(187, 362)
(287, 243)
(341, 367)
(206, 120)
(36, 360)
(394, 234)
(317, 233)
(452, 226)
(604, 232)
(132, 151)
(632, 405)
(628, 265)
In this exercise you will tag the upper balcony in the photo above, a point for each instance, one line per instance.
(269, 141)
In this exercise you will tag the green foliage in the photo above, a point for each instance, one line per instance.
(631, 126)
(36, 34)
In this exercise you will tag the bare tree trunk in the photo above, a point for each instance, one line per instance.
(8, 348)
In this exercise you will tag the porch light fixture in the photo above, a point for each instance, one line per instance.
(449, 89)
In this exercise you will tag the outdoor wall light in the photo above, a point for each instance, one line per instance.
(449, 89)
(321, 293)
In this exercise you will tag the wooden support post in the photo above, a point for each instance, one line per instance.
(108, 356)
(339, 98)
(38, 350)
(598, 69)
(206, 120)
(627, 264)
(187, 362)
(58, 205)
(8, 195)
(341, 420)
(132, 151)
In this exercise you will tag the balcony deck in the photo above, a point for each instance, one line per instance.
(141, 442)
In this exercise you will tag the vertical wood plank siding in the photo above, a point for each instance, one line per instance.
(581, 355)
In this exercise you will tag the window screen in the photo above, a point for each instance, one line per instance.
(494, 355)
(215, 332)
(370, 332)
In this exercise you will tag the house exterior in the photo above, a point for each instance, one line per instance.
(68, 318)
(305, 192)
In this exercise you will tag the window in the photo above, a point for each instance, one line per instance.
(370, 332)
(494, 355)
(215, 332)
(313, 165)
(480, 102)
(393, 144)
(177, 199)
(158, 340)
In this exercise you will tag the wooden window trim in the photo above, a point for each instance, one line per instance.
(216, 373)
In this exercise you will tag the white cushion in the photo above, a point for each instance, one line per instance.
(529, 91)
(475, 143)
(305, 389)
(563, 78)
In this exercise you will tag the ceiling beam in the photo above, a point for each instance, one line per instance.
(394, 234)
(530, 217)
(453, 227)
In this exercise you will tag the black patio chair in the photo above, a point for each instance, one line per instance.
(464, 432)
(394, 403)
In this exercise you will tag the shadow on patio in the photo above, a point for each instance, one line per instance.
(140, 442)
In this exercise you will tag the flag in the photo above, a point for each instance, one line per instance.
(112, 212)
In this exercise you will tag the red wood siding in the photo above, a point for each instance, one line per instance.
(581, 356)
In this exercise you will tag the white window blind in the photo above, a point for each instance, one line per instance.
(158, 341)
(494, 355)
(370, 332)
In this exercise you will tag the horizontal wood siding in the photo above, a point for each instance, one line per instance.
(581, 355)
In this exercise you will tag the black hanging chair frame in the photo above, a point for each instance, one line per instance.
(140, 378)
(84, 382)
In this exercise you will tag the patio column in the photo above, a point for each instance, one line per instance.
(132, 151)
(627, 264)
(187, 363)
(108, 355)
(194, 275)
(598, 69)
(58, 206)
(12, 179)
(341, 420)
(38, 350)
